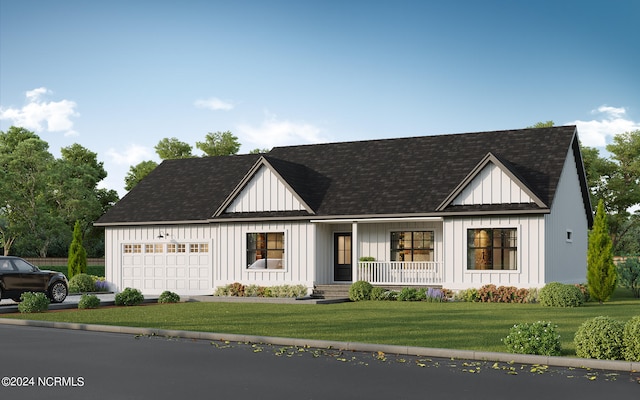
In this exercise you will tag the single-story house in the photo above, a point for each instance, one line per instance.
(456, 211)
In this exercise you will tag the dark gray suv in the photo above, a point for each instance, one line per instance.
(17, 276)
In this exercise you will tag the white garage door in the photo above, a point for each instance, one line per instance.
(152, 269)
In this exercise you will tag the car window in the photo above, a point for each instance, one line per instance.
(5, 265)
(23, 266)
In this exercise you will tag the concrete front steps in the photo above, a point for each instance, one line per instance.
(331, 292)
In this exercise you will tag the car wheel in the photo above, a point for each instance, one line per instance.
(58, 292)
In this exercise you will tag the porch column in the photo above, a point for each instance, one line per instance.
(355, 251)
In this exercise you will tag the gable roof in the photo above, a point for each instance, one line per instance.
(391, 177)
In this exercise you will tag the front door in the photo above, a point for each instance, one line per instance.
(342, 269)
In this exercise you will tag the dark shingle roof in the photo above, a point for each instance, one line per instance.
(377, 177)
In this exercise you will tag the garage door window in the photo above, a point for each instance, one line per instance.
(132, 248)
(176, 248)
(199, 248)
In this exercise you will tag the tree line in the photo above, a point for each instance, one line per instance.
(42, 198)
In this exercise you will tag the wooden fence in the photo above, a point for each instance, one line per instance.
(61, 262)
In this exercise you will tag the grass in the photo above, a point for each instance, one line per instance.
(454, 325)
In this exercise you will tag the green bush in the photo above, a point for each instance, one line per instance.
(631, 339)
(360, 290)
(82, 283)
(629, 275)
(89, 301)
(600, 338)
(538, 338)
(33, 302)
(408, 294)
(557, 294)
(129, 297)
(378, 293)
(168, 297)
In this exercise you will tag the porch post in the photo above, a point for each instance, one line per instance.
(355, 251)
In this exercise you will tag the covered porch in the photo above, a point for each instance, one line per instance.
(383, 251)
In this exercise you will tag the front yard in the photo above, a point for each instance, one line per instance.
(454, 325)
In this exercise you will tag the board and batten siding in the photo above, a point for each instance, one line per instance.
(492, 186)
(566, 258)
(375, 238)
(531, 248)
(265, 192)
(231, 262)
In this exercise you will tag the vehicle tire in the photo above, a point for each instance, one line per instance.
(58, 292)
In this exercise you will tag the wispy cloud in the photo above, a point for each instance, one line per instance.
(610, 121)
(214, 104)
(131, 155)
(278, 132)
(41, 115)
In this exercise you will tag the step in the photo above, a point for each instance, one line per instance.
(337, 291)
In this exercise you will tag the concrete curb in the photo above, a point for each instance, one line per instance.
(626, 366)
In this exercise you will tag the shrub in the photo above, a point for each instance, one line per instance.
(538, 338)
(378, 293)
(77, 261)
(601, 271)
(631, 339)
(435, 295)
(408, 294)
(236, 289)
(101, 285)
(556, 294)
(89, 301)
(82, 283)
(468, 295)
(360, 290)
(600, 338)
(221, 291)
(33, 302)
(532, 295)
(629, 275)
(129, 297)
(168, 297)
(486, 293)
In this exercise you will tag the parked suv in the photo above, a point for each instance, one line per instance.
(17, 276)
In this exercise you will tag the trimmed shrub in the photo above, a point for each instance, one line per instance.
(360, 290)
(631, 339)
(408, 294)
(33, 302)
(556, 294)
(168, 297)
(600, 338)
(82, 283)
(538, 338)
(89, 301)
(129, 297)
(378, 293)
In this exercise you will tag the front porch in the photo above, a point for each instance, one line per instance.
(422, 273)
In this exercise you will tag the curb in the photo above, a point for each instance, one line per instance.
(626, 366)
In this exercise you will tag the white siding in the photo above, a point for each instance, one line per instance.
(375, 238)
(492, 186)
(265, 192)
(530, 271)
(566, 261)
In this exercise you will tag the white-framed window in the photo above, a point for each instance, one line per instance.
(412, 246)
(154, 248)
(265, 250)
(492, 249)
(132, 248)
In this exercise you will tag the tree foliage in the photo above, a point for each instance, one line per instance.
(138, 172)
(170, 149)
(601, 271)
(77, 261)
(219, 144)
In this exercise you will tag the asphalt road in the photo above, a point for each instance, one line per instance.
(70, 364)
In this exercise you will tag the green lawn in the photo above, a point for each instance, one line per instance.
(455, 325)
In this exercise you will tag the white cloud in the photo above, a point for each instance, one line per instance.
(275, 132)
(214, 103)
(132, 155)
(598, 132)
(41, 115)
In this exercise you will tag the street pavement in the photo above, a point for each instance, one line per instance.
(77, 364)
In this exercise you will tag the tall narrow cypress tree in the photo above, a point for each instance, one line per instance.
(601, 271)
(77, 263)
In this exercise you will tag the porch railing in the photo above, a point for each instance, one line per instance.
(401, 272)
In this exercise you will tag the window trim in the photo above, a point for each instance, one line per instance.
(245, 256)
(518, 269)
(390, 232)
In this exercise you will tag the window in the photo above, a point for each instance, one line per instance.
(133, 248)
(199, 248)
(494, 249)
(412, 246)
(265, 250)
(153, 248)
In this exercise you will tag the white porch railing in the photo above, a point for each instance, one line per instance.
(401, 272)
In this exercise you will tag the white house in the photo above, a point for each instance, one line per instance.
(457, 211)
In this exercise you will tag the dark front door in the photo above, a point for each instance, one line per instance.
(342, 257)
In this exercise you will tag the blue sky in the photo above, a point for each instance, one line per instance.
(118, 76)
